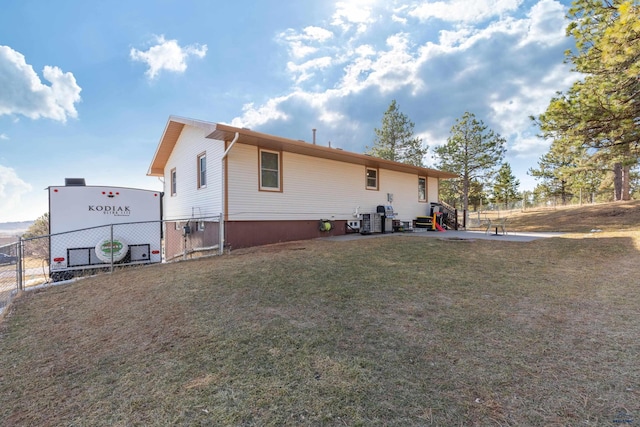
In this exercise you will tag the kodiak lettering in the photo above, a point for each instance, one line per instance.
(112, 210)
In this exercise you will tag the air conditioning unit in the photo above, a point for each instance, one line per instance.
(371, 223)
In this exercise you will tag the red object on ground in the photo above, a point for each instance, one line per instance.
(439, 227)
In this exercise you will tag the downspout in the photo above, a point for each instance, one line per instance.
(224, 212)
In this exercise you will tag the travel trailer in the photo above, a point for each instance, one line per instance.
(96, 227)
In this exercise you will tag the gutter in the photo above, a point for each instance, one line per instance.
(223, 180)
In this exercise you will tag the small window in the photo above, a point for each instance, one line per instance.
(202, 170)
(201, 226)
(372, 179)
(422, 189)
(174, 185)
(269, 170)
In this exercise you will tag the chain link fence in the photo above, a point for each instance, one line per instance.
(9, 267)
(43, 260)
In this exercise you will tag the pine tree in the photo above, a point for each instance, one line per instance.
(472, 151)
(505, 187)
(395, 140)
(600, 112)
(554, 169)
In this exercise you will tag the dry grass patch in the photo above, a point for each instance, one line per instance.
(623, 215)
(389, 331)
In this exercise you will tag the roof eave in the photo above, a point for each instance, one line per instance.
(170, 135)
(223, 132)
(246, 136)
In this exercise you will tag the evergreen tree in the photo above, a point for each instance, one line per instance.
(600, 112)
(554, 169)
(39, 247)
(395, 139)
(472, 151)
(505, 187)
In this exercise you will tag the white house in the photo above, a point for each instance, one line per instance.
(271, 189)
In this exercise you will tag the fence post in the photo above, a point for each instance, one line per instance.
(20, 263)
(221, 234)
(111, 268)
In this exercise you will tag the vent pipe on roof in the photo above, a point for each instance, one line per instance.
(314, 136)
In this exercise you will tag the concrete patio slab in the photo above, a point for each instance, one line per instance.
(511, 236)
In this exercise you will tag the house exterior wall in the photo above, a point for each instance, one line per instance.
(189, 200)
(315, 188)
(312, 189)
(200, 239)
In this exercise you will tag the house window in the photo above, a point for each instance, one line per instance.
(174, 185)
(202, 170)
(422, 189)
(201, 226)
(269, 170)
(372, 179)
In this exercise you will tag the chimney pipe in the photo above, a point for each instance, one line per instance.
(314, 136)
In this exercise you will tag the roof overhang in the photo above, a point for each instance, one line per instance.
(224, 132)
(169, 138)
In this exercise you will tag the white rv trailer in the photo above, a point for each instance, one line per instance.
(93, 227)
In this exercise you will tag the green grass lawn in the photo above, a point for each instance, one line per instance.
(389, 331)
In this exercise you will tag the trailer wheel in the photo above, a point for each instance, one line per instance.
(105, 248)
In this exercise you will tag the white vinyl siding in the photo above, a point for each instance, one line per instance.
(314, 188)
(189, 201)
(433, 189)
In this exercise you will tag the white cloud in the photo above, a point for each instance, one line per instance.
(23, 93)
(503, 68)
(399, 19)
(547, 22)
(529, 146)
(4, 136)
(167, 55)
(12, 188)
(464, 11)
(253, 116)
(351, 13)
(306, 70)
(300, 45)
(388, 70)
(317, 34)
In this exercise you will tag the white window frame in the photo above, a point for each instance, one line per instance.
(278, 171)
(202, 170)
(422, 197)
(367, 178)
(173, 181)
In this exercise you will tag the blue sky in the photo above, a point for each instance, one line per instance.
(86, 88)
